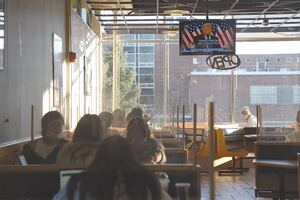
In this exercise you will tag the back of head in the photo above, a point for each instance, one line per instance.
(114, 154)
(106, 119)
(50, 117)
(113, 169)
(118, 118)
(138, 129)
(88, 130)
(137, 112)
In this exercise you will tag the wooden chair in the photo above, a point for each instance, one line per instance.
(189, 138)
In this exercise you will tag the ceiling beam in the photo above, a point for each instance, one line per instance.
(250, 30)
(285, 21)
(176, 24)
(262, 13)
(123, 16)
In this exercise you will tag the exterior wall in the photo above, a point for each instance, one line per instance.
(186, 89)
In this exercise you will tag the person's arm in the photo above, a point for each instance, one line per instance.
(61, 195)
(165, 195)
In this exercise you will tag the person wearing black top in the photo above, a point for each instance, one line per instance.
(45, 149)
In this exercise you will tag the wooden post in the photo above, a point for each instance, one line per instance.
(211, 146)
(194, 136)
(177, 121)
(172, 118)
(183, 118)
(259, 120)
(32, 123)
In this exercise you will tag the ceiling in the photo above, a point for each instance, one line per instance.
(148, 16)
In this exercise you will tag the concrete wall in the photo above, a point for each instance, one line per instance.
(26, 78)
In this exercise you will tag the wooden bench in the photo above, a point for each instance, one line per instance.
(9, 152)
(176, 155)
(276, 169)
(231, 145)
(43, 181)
(172, 142)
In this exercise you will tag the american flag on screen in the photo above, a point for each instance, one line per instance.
(221, 29)
(225, 34)
(190, 31)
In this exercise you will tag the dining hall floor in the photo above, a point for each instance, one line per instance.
(231, 187)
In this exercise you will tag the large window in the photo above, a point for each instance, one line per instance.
(267, 76)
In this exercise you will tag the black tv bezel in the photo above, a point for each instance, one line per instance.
(184, 22)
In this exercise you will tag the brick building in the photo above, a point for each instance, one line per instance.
(270, 80)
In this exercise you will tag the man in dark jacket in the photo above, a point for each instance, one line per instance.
(207, 40)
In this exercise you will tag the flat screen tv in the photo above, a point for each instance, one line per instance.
(203, 37)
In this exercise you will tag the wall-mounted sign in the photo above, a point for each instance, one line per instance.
(223, 62)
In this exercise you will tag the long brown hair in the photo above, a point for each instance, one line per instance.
(115, 161)
(138, 129)
(88, 130)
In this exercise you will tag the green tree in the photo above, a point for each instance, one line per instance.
(128, 91)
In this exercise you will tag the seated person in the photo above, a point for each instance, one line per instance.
(86, 140)
(296, 125)
(146, 147)
(295, 135)
(135, 112)
(114, 174)
(118, 118)
(251, 120)
(106, 119)
(45, 150)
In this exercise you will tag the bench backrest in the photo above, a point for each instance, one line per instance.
(43, 181)
(277, 150)
(176, 155)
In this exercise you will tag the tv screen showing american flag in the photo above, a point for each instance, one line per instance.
(200, 37)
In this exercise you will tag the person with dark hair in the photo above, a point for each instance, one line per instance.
(106, 120)
(146, 147)
(114, 174)
(45, 149)
(86, 140)
(135, 112)
(118, 118)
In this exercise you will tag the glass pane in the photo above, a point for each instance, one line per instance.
(268, 78)
(107, 65)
